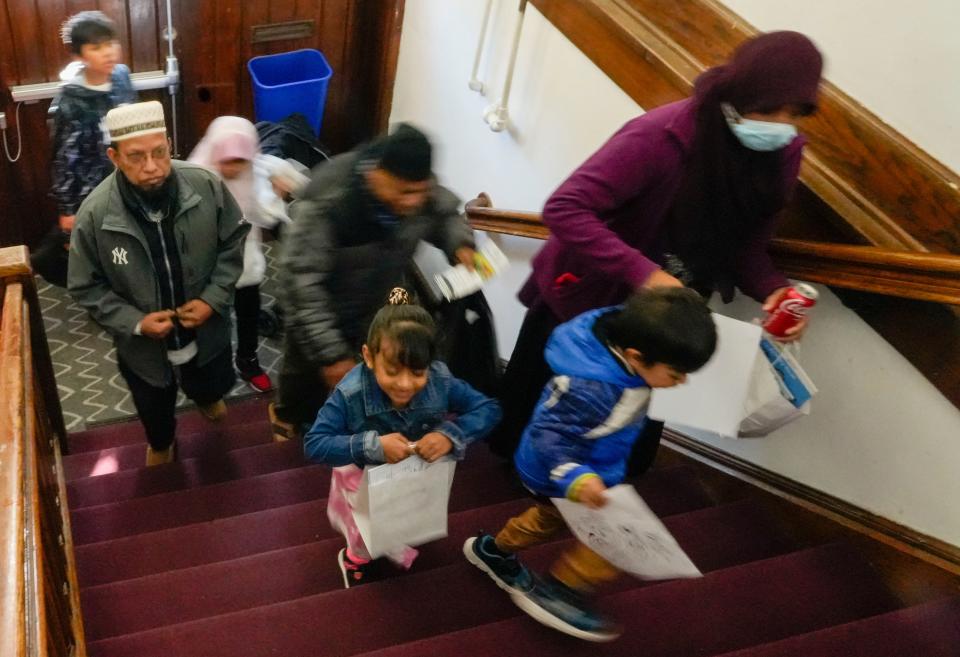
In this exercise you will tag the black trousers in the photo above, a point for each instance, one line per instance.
(50, 257)
(156, 406)
(522, 384)
(523, 380)
(246, 304)
(301, 391)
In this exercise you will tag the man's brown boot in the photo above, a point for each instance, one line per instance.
(159, 457)
(214, 412)
(282, 431)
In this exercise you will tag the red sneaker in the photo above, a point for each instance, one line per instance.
(253, 374)
(260, 382)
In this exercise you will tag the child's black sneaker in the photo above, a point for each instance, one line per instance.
(504, 569)
(355, 574)
(559, 607)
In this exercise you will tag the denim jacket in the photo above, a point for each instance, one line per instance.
(357, 413)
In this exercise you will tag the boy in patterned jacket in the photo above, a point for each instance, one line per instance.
(579, 440)
(93, 84)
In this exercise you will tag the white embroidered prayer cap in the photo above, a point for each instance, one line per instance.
(135, 120)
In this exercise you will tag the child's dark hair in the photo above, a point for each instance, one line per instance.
(85, 28)
(670, 325)
(409, 327)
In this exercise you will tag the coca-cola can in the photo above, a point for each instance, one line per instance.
(794, 305)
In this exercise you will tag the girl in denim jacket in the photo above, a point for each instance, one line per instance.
(398, 402)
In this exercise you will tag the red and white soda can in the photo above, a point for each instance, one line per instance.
(794, 305)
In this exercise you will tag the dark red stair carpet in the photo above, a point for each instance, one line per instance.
(229, 552)
(930, 630)
(715, 537)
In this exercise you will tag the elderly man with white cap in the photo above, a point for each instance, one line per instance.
(155, 254)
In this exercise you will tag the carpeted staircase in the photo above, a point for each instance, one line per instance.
(228, 552)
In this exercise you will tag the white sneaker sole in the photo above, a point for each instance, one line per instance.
(478, 562)
(343, 570)
(544, 617)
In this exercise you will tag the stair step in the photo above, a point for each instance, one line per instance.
(471, 487)
(184, 474)
(742, 606)
(209, 442)
(188, 422)
(149, 514)
(753, 603)
(928, 630)
(667, 491)
(715, 537)
(201, 471)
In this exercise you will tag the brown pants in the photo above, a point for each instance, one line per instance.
(579, 567)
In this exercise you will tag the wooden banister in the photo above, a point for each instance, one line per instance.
(12, 514)
(39, 594)
(897, 273)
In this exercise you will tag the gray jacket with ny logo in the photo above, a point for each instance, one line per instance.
(112, 276)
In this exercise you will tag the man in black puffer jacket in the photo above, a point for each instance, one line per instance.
(353, 236)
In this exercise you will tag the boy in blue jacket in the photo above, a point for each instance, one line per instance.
(579, 440)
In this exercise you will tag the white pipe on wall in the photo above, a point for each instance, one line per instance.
(173, 77)
(496, 115)
(475, 83)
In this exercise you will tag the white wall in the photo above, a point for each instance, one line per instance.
(880, 435)
(562, 108)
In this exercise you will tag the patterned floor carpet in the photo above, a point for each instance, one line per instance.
(91, 389)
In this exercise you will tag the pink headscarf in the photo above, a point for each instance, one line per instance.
(231, 138)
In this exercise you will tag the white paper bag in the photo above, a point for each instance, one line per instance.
(712, 398)
(780, 392)
(626, 533)
(403, 504)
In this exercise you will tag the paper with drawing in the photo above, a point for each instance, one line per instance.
(627, 534)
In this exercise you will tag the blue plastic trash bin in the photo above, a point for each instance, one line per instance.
(290, 82)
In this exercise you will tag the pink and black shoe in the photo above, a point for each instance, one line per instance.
(355, 573)
(253, 374)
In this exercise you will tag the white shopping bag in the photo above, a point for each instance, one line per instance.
(780, 392)
(713, 397)
(626, 533)
(403, 504)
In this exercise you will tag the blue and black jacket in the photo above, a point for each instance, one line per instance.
(588, 417)
(80, 159)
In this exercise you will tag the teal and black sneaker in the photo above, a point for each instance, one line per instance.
(504, 569)
(562, 608)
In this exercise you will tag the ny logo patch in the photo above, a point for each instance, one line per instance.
(119, 256)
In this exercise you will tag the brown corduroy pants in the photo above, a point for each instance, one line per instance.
(579, 567)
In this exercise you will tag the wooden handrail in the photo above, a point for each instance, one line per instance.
(39, 594)
(905, 274)
(12, 514)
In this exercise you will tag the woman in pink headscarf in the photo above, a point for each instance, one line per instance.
(232, 149)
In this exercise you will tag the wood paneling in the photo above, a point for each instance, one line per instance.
(213, 47)
(362, 66)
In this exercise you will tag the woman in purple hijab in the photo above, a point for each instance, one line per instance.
(686, 194)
